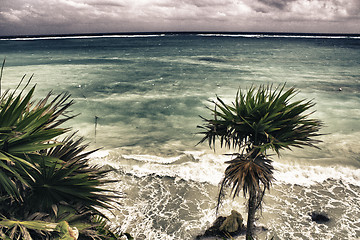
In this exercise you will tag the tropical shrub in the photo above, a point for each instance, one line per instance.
(47, 182)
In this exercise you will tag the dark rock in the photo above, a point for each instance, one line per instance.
(232, 223)
(213, 231)
(224, 227)
(319, 217)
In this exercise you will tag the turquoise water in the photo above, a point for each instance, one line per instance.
(148, 92)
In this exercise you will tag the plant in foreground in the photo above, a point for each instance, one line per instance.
(259, 120)
(46, 182)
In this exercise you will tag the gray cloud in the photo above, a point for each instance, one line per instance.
(208, 3)
(77, 16)
(106, 3)
(353, 8)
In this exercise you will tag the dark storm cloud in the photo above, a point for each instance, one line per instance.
(76, 16)
(279, 4)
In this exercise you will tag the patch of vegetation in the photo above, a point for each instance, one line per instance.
(48, 189)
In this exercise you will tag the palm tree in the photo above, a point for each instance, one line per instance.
(259, 120)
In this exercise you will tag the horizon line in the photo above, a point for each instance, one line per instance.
(173, 33)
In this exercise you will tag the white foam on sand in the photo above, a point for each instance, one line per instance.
(153, 159)
(313, 174)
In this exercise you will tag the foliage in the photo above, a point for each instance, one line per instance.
(13, 229)
(247, 174)
(73, 181)
(25, 129)
(262, 120)
(45, 180)
(259, 120)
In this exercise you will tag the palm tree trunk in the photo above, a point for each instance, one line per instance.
(251, 215)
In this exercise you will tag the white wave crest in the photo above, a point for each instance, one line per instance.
(209, 167)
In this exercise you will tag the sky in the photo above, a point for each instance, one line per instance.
(40, 17)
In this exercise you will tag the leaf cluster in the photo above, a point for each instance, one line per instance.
(262, 119)
(25, 129)
(45, 180)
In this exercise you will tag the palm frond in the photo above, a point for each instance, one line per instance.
(71, 181)
(262, 119)
(15, 229)
(53, 175)
(25, 129)
(248, 175)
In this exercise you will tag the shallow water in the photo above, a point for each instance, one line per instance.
(148, 91)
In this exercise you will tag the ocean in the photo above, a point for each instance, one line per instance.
(146, 92)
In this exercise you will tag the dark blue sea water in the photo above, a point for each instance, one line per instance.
(148, 92)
